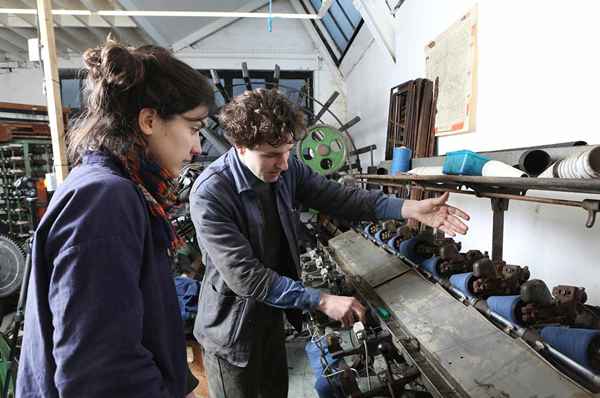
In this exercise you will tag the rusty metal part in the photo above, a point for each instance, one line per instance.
(564, 307)
(403, 233)
(451, 262)
(497, 278)
(428, 245)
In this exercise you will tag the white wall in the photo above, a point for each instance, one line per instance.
(538, 83)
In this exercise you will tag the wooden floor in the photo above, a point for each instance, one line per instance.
(301, 376)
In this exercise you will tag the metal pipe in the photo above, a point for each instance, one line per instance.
(246, 76)
(276, 74)
(217, 83)
(326, 106)
(534, 161)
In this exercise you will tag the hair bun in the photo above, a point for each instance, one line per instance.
(115, 64)
(93, 62)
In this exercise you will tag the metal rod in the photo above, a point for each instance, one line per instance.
(350, 123)
(524, 198)
(276, 74)
(495, 183)
(217, 83)
(326, 106)
(499, 206)
(246, 76)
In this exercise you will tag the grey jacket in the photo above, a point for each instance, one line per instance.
(228, 224)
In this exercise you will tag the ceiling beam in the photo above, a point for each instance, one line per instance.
(145, 24)
(85, 21)
(217, 25)
(380, 23)
(68, 40)
(13, 51)
(14, 38)
(19, 21)
(312, 33)
(165, 13)
(15, 21)
(125, 35)
(113, 21)
(83, 35)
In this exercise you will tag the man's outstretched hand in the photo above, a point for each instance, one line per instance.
(437, 214)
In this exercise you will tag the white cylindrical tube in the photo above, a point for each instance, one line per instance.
(494, 168)
(582, 165)
(427, 171)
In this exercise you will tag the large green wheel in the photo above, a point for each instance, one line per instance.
(323, 149)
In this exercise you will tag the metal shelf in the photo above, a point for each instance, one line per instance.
(499, 190)
(491, 184)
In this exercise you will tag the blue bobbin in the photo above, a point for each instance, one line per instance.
(431, 266)
(506, 307)
(574, 343)
(392, 243)
(378, 236)
(366, 230)
(407, 249)
(462, 283)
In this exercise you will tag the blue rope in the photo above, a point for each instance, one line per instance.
(270, 18)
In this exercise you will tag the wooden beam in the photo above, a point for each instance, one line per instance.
(217, 25)
(55, 114)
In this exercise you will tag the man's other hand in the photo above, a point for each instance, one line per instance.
(342, 308)
(437, 214)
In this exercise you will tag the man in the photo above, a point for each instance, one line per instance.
(244, 210)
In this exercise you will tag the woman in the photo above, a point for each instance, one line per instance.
(102, 317)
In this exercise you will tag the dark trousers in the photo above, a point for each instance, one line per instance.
(265, 376)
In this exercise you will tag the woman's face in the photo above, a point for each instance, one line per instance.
(175, 141)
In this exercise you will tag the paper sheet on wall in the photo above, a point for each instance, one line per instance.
(452, 57)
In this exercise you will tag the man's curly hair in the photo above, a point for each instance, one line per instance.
(262, 116)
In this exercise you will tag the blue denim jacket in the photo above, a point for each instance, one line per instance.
(229, 227)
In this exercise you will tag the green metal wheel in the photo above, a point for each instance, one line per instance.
(323, 149)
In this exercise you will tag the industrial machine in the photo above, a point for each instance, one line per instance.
(441, 322)
(464, 324)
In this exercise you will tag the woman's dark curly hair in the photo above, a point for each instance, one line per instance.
(123, 80)
(262, 116)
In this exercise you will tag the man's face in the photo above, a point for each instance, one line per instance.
(266, 161)
(175, 141)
